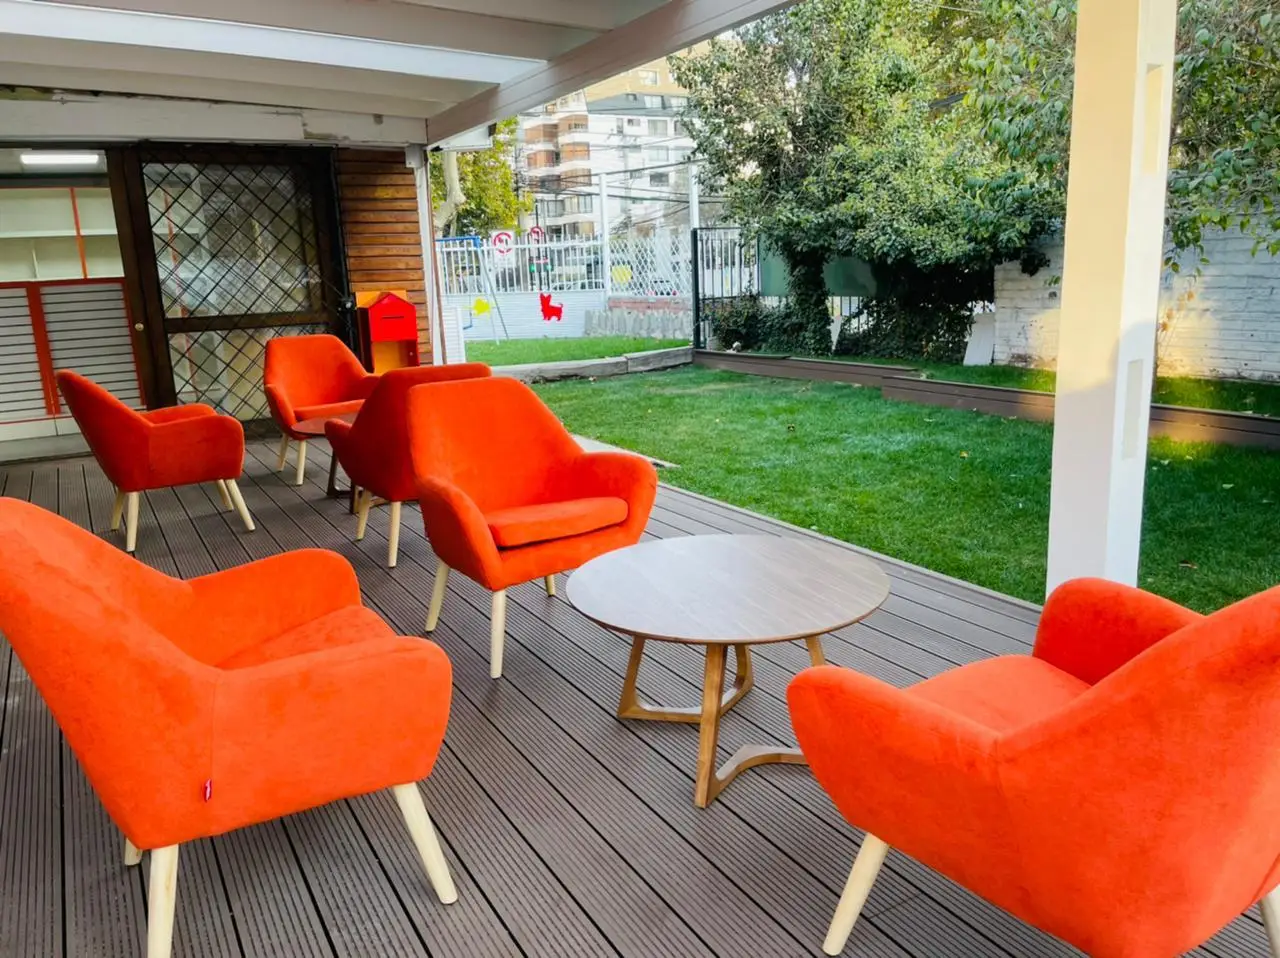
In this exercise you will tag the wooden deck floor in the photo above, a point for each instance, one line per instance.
(569, 832)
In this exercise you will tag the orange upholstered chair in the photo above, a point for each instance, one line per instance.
(507, 495)
(152, 450)
(1119, 787)
(200, 707)
(374, 450)
(311, 377)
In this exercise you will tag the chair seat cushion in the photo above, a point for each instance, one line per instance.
(524, 525)
(1003, 693)
(327, 410)
(344, 627)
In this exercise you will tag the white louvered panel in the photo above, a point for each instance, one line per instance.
(21, 394)
(89, 333)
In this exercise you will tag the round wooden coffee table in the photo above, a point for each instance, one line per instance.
(721, 591)
(314, 429)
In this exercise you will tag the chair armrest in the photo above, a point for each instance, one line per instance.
(364, 386)
(299, 732)
(620, 474)
(1091, 627)
(197, 449)
(875, 748)
(238, 608)
(280, 406)
(457, 530)
(178, 413)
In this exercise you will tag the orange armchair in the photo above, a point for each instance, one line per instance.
(311, 377)
(374, 450)
(1118, 788)
(507, 495)
(152, 450)
(200, 707)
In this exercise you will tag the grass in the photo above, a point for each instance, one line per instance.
(513, 352)
(1234, 395)
(955, 491)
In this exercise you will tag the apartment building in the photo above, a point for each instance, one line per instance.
(627, 128)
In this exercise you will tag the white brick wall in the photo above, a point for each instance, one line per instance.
(1223, 323)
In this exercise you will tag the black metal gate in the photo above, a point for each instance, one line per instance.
(725, 269)
(233, 247)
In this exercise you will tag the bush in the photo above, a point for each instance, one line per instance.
(747, 324)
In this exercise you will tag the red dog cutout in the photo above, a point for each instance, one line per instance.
(550, 311)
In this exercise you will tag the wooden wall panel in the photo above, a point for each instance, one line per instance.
(380, 229)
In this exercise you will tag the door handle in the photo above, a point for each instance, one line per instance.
(138, 327)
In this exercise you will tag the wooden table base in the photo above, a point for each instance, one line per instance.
(716, 701)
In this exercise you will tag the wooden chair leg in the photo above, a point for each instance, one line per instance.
(237, 500)
(497, 633)
(551, 586)
(393, 537)
(117, 511)
(302, 463)
(132, 856)
(437, 596)
(131, 504)
(1270, 908)
(222, 492)
(362, 513)
(861, 877)
(424, 838)
(162, 896)
(284, 453)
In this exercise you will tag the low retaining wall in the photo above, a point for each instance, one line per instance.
(597, 368)
(904, 384)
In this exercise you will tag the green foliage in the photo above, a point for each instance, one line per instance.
(819, 125)
(748, 325)
(1016, 62)
(488, 181)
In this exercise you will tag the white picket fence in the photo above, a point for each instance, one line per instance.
(533, 289)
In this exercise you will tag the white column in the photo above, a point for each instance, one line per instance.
(419, 160)
(695, 198)
(606, 262)
(1111, 285)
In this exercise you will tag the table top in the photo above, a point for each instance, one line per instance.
(728, 589)
(315, 427)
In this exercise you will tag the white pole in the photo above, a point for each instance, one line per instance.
(695, 198)
(417, 158)
(606, 263)
(1111, 286)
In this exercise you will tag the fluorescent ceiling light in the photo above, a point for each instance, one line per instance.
(59, 159)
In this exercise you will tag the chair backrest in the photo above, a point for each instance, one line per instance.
(88, 623)
(115, 433)
(1167, 771)
(312, 369)
(380, 434)
(492, 438)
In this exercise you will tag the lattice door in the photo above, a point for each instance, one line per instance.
(238, 252)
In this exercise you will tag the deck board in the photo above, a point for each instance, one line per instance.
(569, 833)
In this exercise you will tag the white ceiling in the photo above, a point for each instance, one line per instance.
(441, 67)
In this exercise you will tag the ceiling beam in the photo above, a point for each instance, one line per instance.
(374, 20)
(77, 79)
(100, 119)
(674, 26)
(586, 14)
(32, 18)
(68, 54)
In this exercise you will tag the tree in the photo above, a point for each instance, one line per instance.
(484, 198)
(1017, 65)
(822, 128)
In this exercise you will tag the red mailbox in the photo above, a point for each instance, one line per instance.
(388, 331)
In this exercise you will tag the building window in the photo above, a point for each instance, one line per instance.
(681, 154)
(681, 129)
(633, 122)
(648, 77)
(679, 102)
(657, 154)
(579, 204)
(635, 174)
(620, 126)
(652, 102)
(657, 127)
(659, 179)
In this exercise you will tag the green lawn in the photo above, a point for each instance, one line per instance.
(514, 352)
(1234, 395)
(955, 491)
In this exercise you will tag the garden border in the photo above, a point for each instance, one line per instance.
(905, 384)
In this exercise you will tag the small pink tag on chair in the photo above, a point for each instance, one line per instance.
(208, 790)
